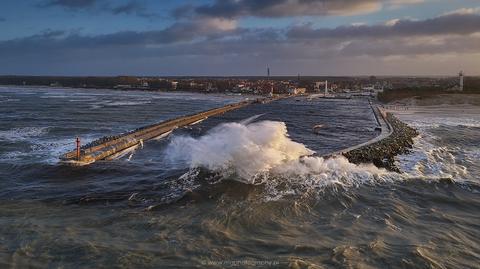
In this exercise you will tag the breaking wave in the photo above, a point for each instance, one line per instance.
(427, 161)
(447, 147)
(249, 149)
(263, 153)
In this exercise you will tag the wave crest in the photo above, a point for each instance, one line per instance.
(263, 153)
(247, 150)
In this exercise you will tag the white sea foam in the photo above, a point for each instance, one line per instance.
(447, 121)
(39, 146)
(198, 121)
(251, 119)
(4, 99)
(446, 115)
(164, 135)
(13, 156)
(432, 161)
(22, 133)
(119, 103)
(127, 103)
(82, 100)
(248, 149)
(130, 151)
(40, 151)
(311, 175)
(263, 153)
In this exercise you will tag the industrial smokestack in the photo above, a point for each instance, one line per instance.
(461, 80)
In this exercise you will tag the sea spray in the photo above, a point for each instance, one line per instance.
(262, 152)
(447, 148)
(251, 119)
(311, 175)
(23, 133)
(248, 150)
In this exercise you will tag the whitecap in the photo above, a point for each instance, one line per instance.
(263, 153)
(23, 133)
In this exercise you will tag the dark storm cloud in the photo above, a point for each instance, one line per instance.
(215, 32)
(202, 39)
(132, 8)
(280, 8)
(456, 24)
(402, 47)
(136, 8)
(70, 4)
(61, 40)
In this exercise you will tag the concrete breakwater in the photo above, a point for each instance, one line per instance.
(382, 151)
(106, 147)
(394, 138)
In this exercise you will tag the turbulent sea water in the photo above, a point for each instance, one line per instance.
(243, 190)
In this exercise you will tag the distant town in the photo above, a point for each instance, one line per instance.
(266, 86)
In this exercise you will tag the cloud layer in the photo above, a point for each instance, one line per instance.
(288, 8)
(131, 7)
(210, 39)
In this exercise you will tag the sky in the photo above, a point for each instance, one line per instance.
(239, 37)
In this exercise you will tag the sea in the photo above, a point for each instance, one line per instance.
(252, 188)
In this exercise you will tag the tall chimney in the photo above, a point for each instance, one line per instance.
(461, 80)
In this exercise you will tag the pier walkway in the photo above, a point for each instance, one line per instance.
(383, 124)
(106, 149)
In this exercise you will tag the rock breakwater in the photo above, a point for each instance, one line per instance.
(382, 153)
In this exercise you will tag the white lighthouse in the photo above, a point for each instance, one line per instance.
(461, 80)
(326, 88)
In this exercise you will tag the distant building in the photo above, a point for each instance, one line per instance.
(295, 91)
(319, 85)
(460, 85)
(461, 80)
(301, 90)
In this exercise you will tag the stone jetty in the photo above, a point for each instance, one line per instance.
(382, 152)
